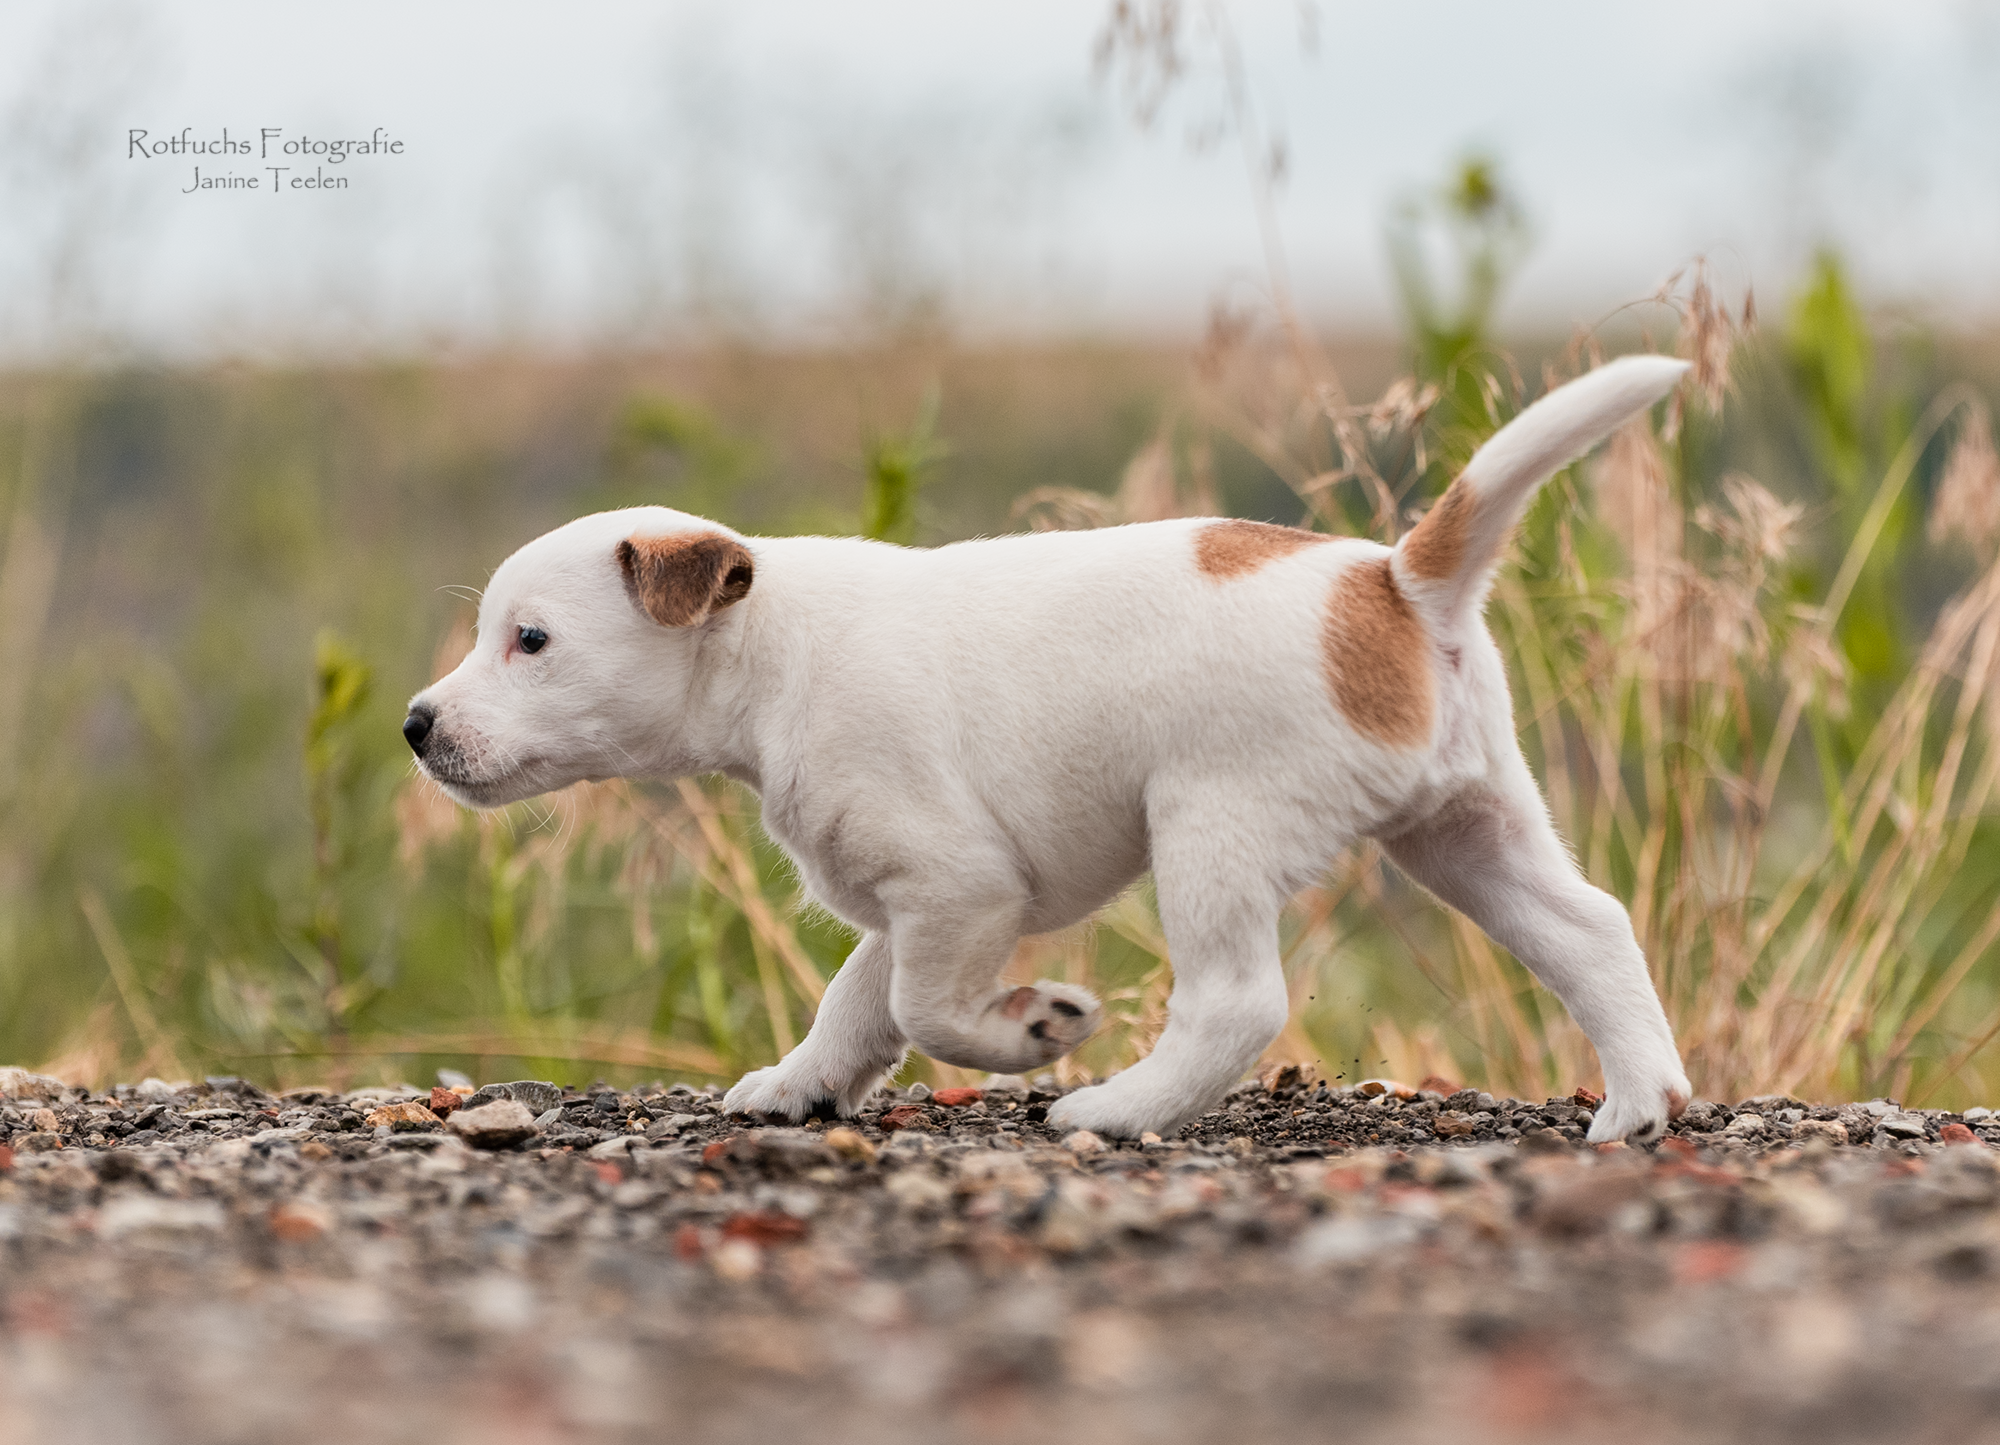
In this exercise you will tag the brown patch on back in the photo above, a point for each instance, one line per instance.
(1378, 656)
(1436, 548)
(681, 579)
(1224, 550)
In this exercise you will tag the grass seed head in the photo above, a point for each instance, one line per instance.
(1968, 498)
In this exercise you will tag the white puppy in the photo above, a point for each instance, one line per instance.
(992, 739)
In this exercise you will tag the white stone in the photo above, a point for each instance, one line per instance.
(21, 1084)
(493, 1126)
(131, 1213)
(1351, 1239)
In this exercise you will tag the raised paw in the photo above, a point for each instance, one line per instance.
(1055, 1018)
(794, 1093)
(1639, 1115)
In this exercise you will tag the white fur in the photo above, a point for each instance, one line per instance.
(966, 745)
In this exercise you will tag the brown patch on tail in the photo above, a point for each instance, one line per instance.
(1436, 549)
(1223, 550)
(1378, 656)
(680, 579)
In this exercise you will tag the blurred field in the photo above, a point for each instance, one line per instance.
(222, 585)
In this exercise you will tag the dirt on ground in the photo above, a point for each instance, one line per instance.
(213, 1265)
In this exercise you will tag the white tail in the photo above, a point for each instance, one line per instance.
(1446, 561)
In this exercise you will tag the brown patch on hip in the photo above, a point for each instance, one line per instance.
(1377, 656)
(1224, 550)
(1436, 549)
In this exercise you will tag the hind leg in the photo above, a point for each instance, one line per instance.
(1495, 857)
(1229, 999)
(852, 1044)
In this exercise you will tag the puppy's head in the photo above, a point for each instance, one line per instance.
(586, 648)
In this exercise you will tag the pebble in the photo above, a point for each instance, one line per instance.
(537, 1095)
(400, 1117)
(497, 1125)
(22, 1084)
(737, 1259)
(133, 1213)
(1586, 1203)
(296, 1221)
(850, 1145)
(963, 1259)
(1902, 1126)
(1544, 1141)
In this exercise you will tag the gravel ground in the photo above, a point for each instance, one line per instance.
(213, 1264)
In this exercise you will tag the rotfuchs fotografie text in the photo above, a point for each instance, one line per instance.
(280, 158)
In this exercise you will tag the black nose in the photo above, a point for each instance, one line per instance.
(417, 727)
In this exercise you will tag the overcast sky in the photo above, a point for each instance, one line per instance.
(794, 169)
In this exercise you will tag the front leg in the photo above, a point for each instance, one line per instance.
(853, 1044)
(1229, 998)
(948, 1000)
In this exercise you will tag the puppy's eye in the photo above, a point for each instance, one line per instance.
(533, 639)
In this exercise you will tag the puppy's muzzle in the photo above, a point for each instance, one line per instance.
(417, 727)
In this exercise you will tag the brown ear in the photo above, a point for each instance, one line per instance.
(685, 578)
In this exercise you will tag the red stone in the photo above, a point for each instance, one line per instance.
(901, 1117)
(687, 1242)
(958, 1098)
(1700, 1173)
(444, 1101)
(608, 1172)
(6, 1158)
(1584, 1099)
(716, 1150)
(1707, 1260)
(295, 1226)
(1957, 1134)
(766, 1228)
(1674, 1144)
